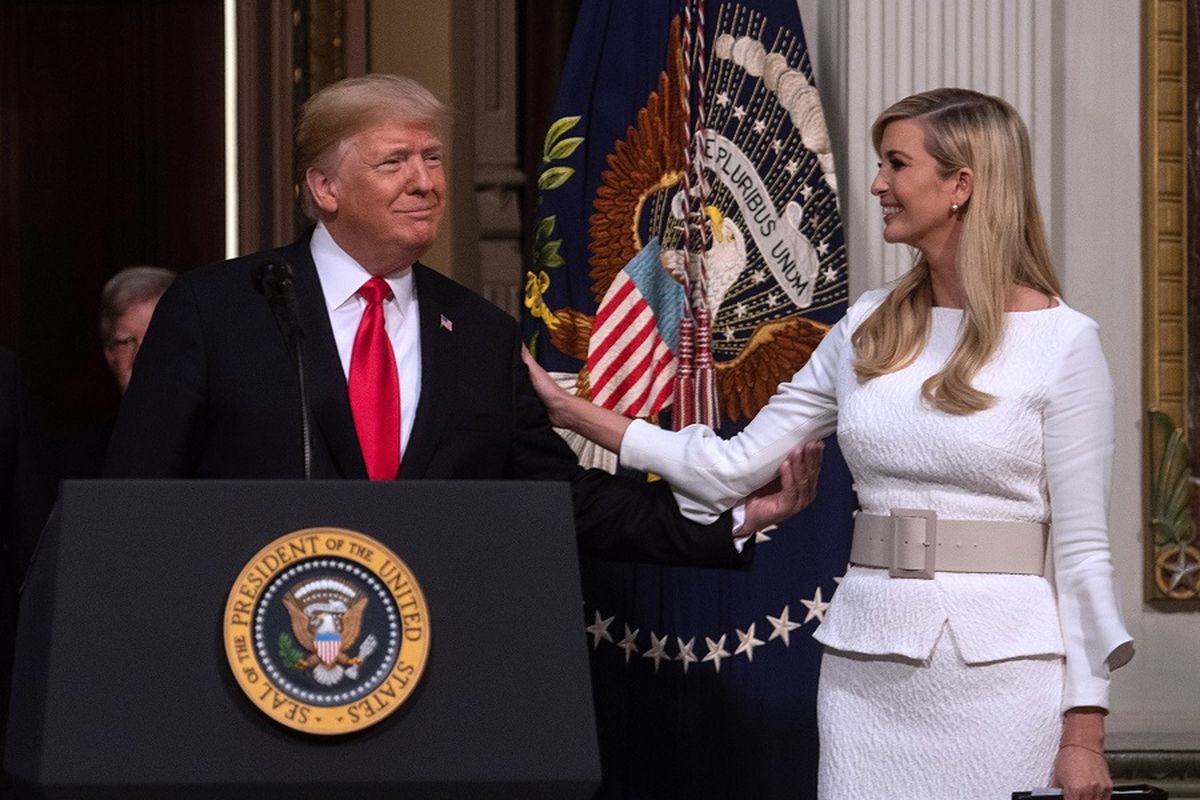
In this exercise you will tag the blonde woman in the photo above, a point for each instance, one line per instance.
(974, 408)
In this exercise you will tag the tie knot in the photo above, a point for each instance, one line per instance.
(375, 291)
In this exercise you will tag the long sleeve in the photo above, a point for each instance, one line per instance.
(710, 474)
(1079, 443)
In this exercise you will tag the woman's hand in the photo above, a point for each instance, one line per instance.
(553, 396)
(788, 494)
(1080, 768)
(605, 428)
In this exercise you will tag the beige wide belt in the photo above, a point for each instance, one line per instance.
(915, 543)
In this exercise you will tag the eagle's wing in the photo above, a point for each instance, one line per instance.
(650, 158)
(570, 336)
(352, 622)
(775, 352)
(299, 624)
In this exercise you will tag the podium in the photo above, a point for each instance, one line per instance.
(122, 687)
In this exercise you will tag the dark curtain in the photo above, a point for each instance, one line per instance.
(112, 131)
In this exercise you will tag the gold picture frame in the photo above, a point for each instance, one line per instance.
(1172, 558)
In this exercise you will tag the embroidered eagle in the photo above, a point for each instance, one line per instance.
(327, 617)
(644, 168)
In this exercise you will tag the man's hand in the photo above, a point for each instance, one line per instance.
(792, 491)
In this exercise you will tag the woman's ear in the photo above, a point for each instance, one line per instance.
(964, 185)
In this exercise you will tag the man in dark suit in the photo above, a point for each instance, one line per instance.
(215, 393)
(24, 505)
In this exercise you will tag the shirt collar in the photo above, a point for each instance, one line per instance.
(341, 276)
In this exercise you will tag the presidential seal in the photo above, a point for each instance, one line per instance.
(326, 631)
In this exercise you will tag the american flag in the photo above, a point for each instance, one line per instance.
(631, 353)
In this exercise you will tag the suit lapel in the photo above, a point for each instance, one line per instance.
(439, 371)
(328, 400)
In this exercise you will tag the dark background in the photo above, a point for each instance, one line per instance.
(111, 154)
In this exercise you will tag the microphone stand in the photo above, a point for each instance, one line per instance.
(278, 283)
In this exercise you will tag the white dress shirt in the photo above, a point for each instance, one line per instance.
(341, 277)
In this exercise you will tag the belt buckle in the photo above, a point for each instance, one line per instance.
(898, 543)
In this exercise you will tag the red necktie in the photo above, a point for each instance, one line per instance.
(375, 386)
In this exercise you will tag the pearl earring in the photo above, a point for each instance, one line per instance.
(954, 208)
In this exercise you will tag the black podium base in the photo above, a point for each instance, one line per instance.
(123, 689)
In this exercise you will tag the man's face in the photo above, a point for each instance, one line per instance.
(384, 198)
(128, 332)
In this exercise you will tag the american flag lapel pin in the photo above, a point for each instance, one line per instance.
(447, 324)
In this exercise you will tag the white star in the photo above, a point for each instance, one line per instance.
(739, 112)
(816, 607)
(599, 630)
(792, 166)
(685, 652)
(629, 643)
(761, 536)
(783, 627)
(723, 99)
(777, 146)
(806, 192)
(759, 276)
(830, 274)
(658, 650)
(730, 335)
(716, 651)
(823, 248)
(747, 642)
(1181, 569)
(740, 310)
(772, 299)
(760, 126)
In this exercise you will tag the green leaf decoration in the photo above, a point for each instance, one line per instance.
(554, 177)
(1169, 498)
(557, 129)
(548, 256)
(564, 148)
(289, 653)
(532, 344)
(545, 228)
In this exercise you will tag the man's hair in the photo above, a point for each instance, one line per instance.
(130, 286)
(351, 106)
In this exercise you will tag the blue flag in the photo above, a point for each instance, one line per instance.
(688, 257)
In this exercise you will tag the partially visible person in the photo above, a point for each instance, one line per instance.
(975, 411)
(408, 375)
(126, 304)
(24, 505)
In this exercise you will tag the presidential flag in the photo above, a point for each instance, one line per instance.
(688, 257)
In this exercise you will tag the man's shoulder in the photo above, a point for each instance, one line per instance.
(453, 296)
(242, 273)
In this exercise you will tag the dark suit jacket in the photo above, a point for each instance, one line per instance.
(214, 394)
(24, 505)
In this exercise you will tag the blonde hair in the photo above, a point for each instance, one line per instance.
(346, 108)
(1002, 244)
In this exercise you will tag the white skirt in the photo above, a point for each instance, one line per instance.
(937, 730)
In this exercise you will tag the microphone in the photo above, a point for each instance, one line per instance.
(275, 279)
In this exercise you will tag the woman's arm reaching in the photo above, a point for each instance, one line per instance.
(605, 428)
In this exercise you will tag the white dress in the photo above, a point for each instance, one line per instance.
(951, 687)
